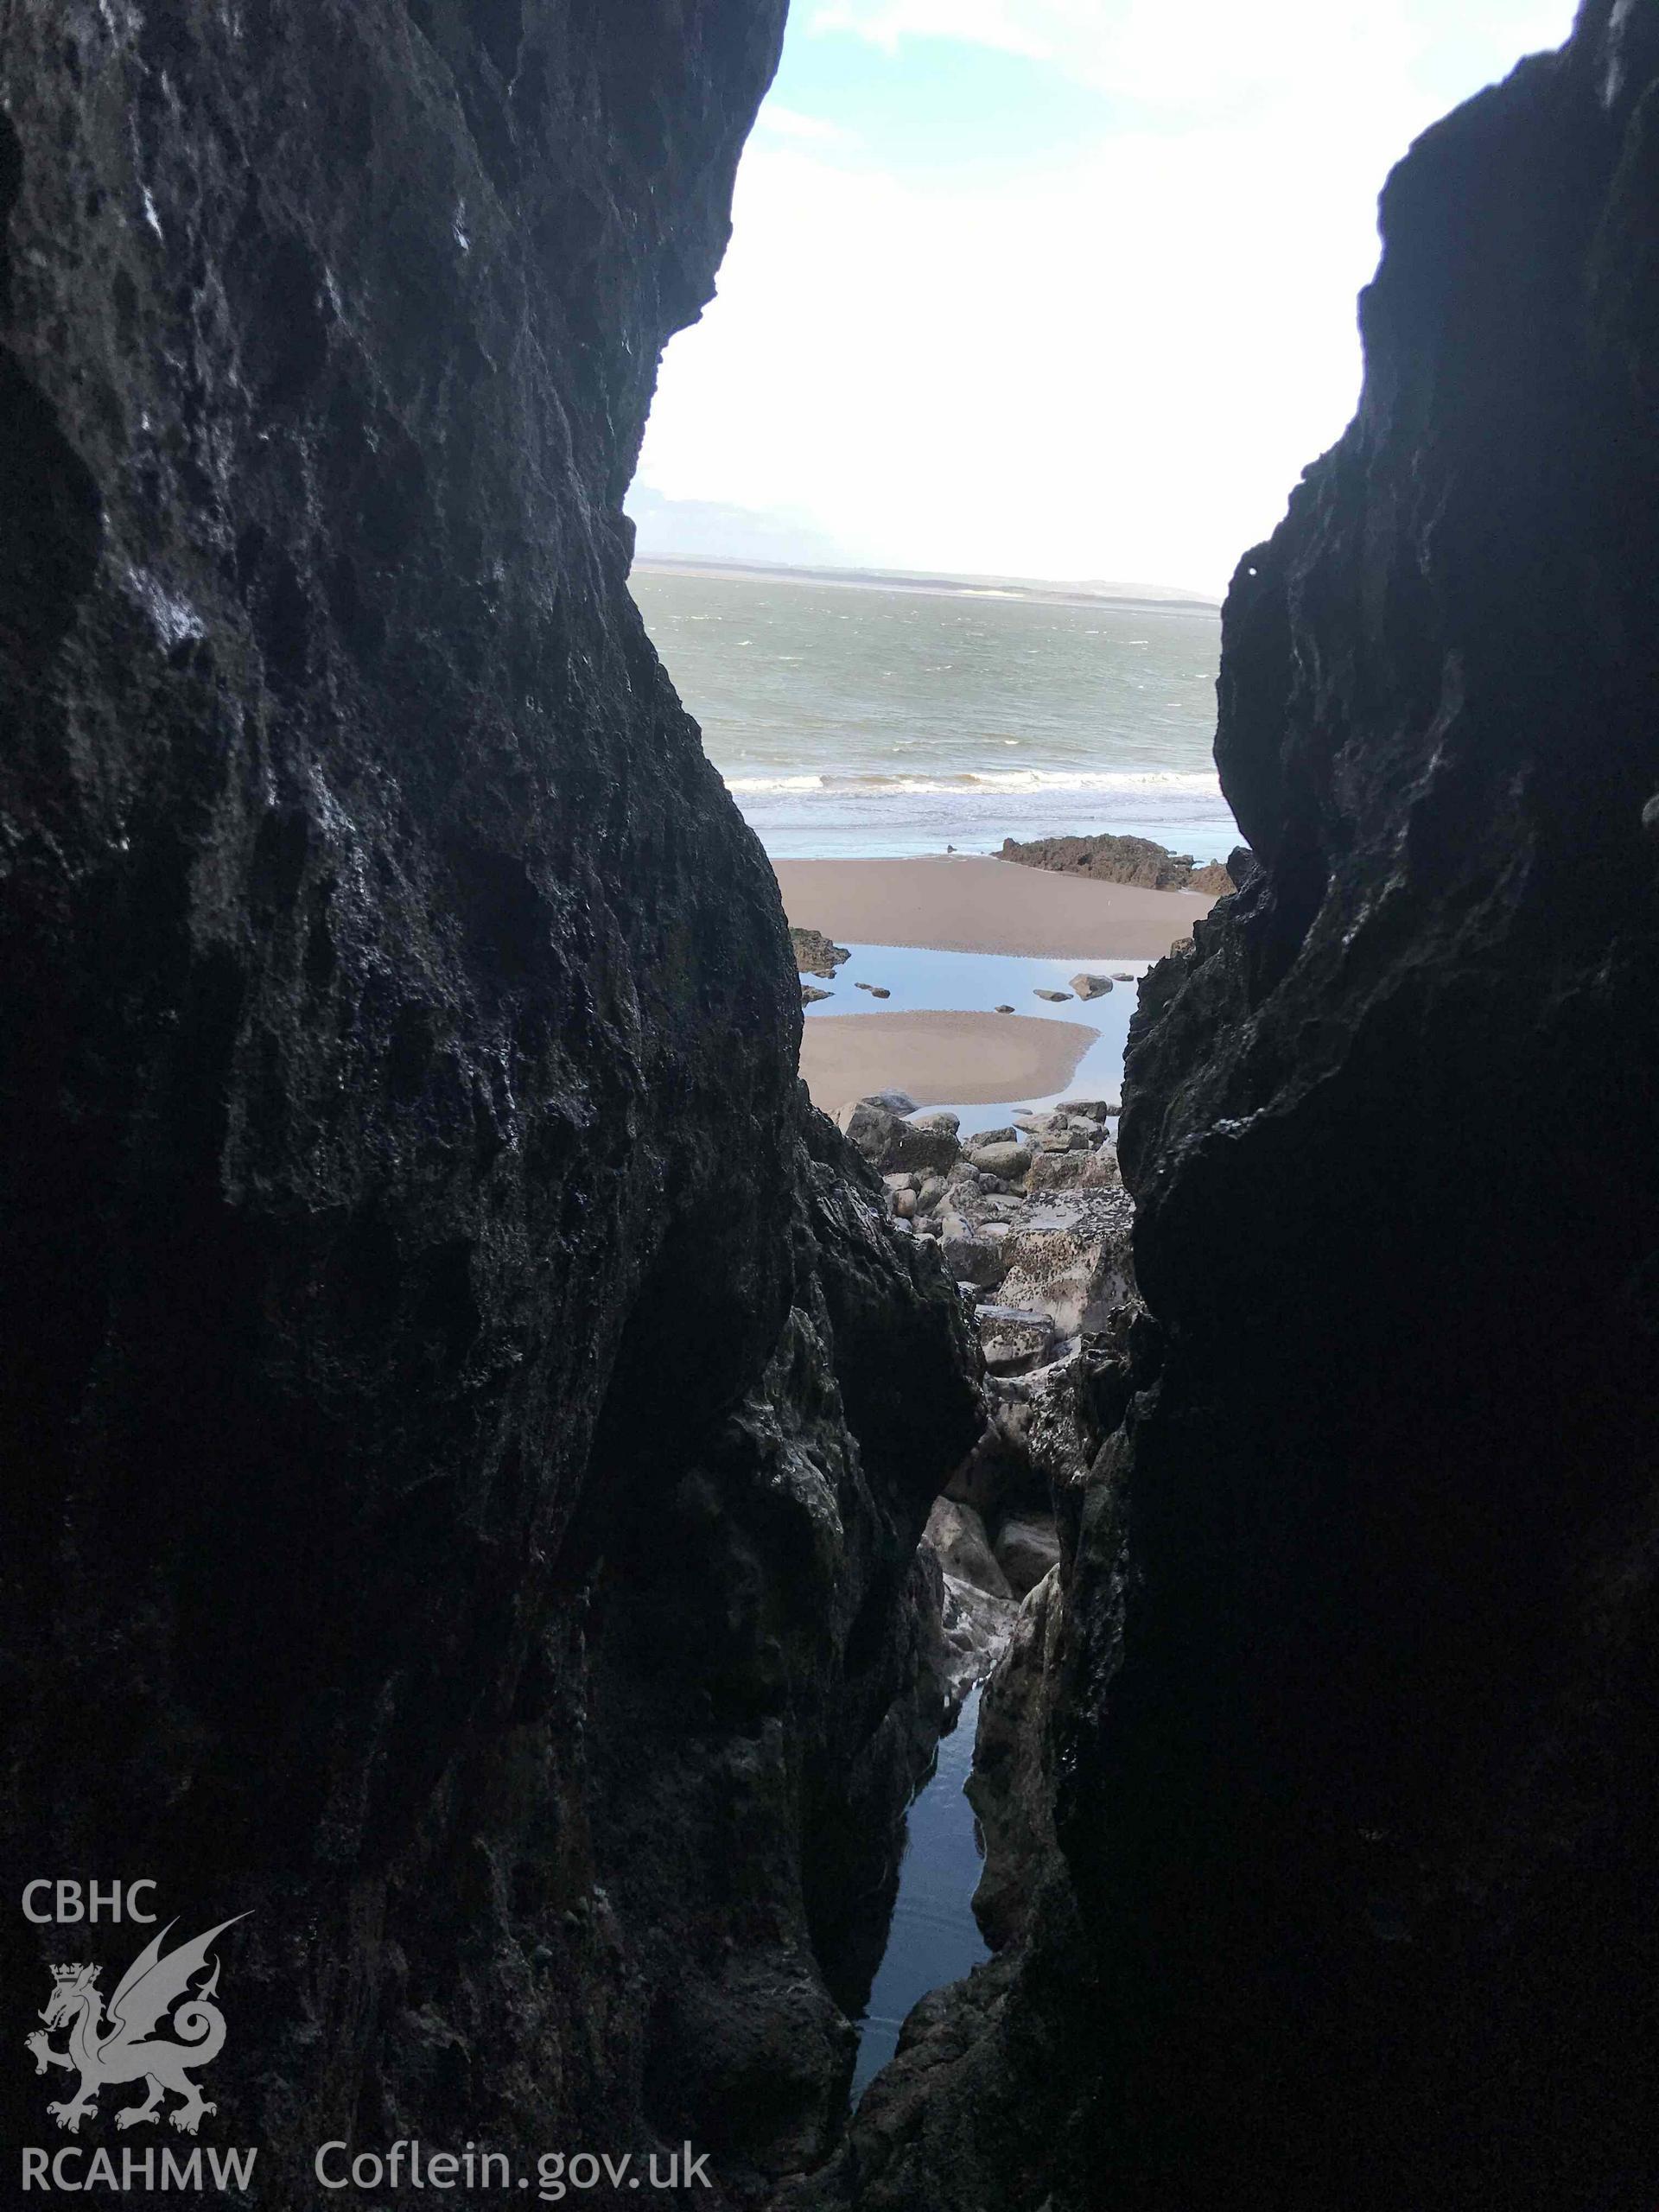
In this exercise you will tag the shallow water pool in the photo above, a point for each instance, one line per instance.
(921, 979)
(933, 1937)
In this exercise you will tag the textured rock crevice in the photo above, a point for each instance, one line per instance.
(1346, 1731)
(407, 1223)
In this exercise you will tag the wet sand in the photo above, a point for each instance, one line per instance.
(971, 904)
(1000, 1058)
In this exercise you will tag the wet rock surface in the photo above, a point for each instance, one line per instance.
(1332, 1788)
(1108, 859)
(472, 1422)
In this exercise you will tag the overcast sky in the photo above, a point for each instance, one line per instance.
(1057, 288)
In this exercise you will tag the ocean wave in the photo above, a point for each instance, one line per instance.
(1120, 782)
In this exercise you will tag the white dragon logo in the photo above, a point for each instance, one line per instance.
(120, 2047)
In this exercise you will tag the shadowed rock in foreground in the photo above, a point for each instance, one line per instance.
(1347, 1729)
(443, 1401)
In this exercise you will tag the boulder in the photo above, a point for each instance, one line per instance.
(814, 953)
(1091, 986)
(1074, 1276)
(1055, 1171)
(959, 1541)
(1027, 1546)
(1014, 1339)
(977, 1138)
(1088, 1110)
(1075, 1171)
(969, 1257)
(1011, 1788)
(889, 1142)
(940, 1118)
(1213, 877)
(1009, 1161)
(975, 1627)
(1053, 997)
(811, 995)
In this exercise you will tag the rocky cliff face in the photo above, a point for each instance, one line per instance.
(1350, 1715)
(413, 1272)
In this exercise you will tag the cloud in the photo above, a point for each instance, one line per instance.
(777, 121)
(975, 22)
(1107, 363)
(1206, 53)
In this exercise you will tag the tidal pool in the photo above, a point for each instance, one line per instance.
(933, 1937)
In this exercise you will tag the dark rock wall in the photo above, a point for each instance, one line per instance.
(400, 1167)
(1352, 1718)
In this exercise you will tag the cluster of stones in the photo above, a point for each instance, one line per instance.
(816, 955)
(1032, 1220)
(990, 1198)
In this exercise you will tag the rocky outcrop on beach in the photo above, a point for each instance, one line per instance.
(471, 1423)
(1108, 859)
(816, 954)
(1348, 1717)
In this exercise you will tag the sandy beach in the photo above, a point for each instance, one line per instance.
(967, 904)
(938, 1057)
(972, 904)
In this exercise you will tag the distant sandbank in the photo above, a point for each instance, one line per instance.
(1146, 599)
(939, 1057)
(964, 903)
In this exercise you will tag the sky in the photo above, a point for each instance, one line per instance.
(1057, 289)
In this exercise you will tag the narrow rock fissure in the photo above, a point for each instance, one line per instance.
(932, 1938)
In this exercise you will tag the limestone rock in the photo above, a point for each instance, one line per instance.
(1074, 1171)
(940, 1118)
(958, 1536)
(971, 1256)
(1013, 1338)
(815, 955)
(890, 1143)
(1091, 986)
(890, 1102)
(975, 1626)
(1076, 1276)
(1351, 1711)
(1006, 1159)
(1026, 1546)
(476, 1425)
(1011, 1787)
(1111, 859)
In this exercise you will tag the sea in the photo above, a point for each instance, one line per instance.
(865, 717)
